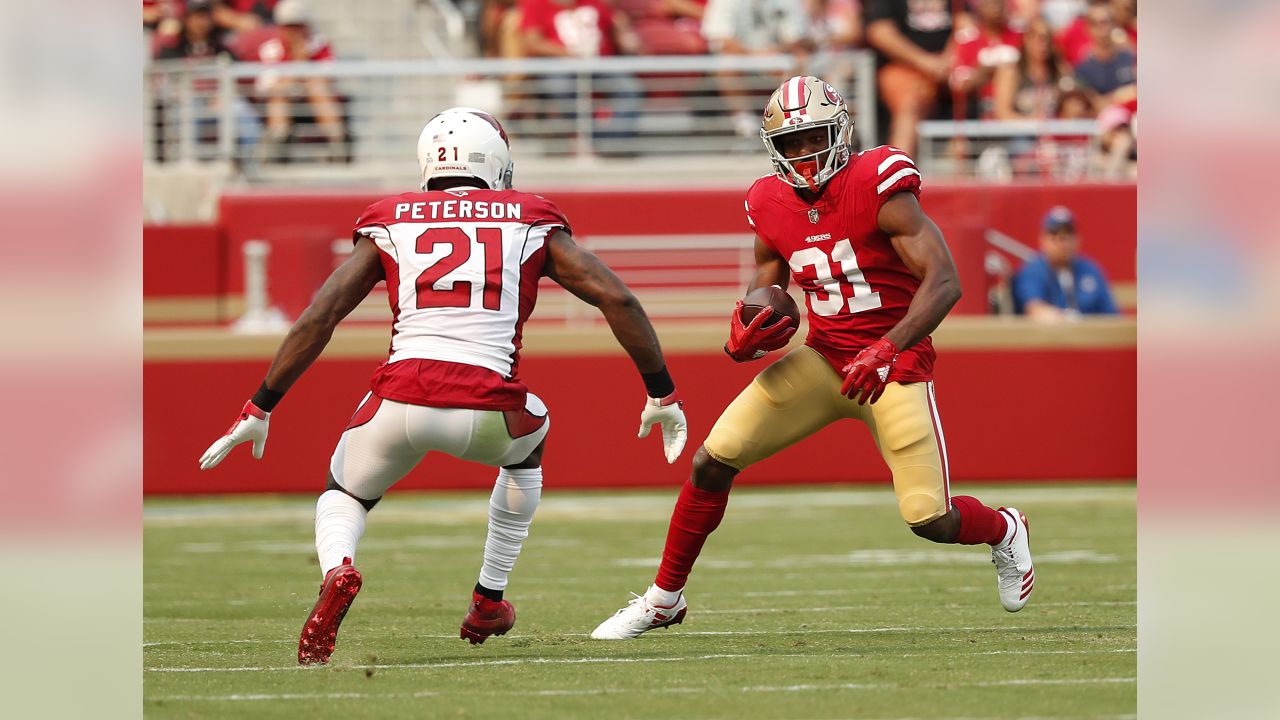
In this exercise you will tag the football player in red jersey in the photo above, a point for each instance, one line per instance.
(461, 261)
(877, 278)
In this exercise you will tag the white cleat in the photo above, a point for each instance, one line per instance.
(1015, 574)
(638, 617)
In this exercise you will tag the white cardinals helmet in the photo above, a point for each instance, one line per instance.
(465, 142)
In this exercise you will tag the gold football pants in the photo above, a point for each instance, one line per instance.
(800, 394)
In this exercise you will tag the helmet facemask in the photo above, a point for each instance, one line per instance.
(811, 171)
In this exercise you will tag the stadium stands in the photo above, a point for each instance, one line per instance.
(367, 74)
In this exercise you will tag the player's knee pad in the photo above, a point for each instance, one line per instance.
(921, 508)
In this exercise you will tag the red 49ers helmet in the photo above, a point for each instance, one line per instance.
(802, 103)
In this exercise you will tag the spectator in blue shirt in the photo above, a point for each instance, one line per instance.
(1060, 284)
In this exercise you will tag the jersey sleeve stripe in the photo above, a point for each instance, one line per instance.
(893, 160)
(888, 183)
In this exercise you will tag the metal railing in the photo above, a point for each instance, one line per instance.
(551, 107)
(1010, 149)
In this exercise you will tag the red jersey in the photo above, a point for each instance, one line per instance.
(1075, 42)
(856, 287)
(975, 49)
(462, 269)
(583, 27)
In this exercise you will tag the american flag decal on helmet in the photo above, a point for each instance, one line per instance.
(476, 157)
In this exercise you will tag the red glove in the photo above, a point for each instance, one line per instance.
(869, 372)
(752, 341)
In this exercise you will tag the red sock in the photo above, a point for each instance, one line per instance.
(697, 515)
(979, 524)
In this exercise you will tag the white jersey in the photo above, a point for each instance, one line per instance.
(462, 269)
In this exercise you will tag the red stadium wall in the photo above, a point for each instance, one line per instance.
(208, 261)
(1007, 415)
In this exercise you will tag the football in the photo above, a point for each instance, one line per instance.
(770, 296)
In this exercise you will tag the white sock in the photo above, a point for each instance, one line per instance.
(658, 597)
(339, 524)
(515, 497)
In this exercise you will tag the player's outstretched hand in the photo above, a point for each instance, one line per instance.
(753, 341)
(868, 374)
(669, 413)
(251, 425)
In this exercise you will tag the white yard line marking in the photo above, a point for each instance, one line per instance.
(676, 690)
(595, 661)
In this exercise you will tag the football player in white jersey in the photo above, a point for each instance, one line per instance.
(462, 261)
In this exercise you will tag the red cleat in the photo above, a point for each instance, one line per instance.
(486, 617)
(320, 633)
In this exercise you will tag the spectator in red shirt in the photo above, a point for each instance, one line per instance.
(585, 29)
(667, 27)
(980, 49)
(1073, 40)
(574, 28)
(293, 41)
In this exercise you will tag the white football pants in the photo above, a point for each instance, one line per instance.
(373, 455)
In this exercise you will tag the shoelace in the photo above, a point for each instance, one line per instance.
(635, 599)
(1008, 571)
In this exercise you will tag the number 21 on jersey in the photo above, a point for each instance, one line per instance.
(457, 294)
(832, 300)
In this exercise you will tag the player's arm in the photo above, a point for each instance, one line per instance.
(771, 268)
(919, 243)
(339, 295)
(884, 36)
(539, 45)
(582, 273)
(753, 341)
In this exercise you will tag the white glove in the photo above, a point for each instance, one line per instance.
(251, 425)
(667, 412)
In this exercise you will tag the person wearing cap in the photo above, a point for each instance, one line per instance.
(1059, 283)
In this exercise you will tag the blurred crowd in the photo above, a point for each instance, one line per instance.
(944, 59)
(935, 59)
(271, 111)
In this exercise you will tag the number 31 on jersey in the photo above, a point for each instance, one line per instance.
(833, 298)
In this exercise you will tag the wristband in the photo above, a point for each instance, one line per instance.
(658, 384)
(266, 398)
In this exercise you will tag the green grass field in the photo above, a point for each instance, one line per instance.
(807, 603)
